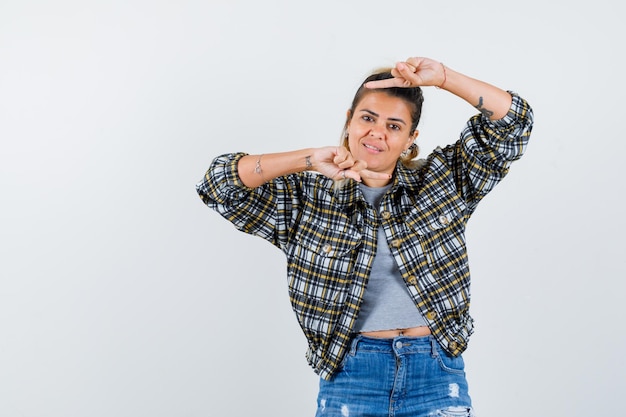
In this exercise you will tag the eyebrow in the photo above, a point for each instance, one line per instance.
(393, 119)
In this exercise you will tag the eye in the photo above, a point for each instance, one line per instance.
(368, 118)
(394, 127)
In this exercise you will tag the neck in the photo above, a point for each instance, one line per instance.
(375, 183)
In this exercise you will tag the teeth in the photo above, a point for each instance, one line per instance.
(371, 147)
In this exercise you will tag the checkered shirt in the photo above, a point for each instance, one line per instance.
(329, 233)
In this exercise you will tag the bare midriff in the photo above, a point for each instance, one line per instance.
(390, 334)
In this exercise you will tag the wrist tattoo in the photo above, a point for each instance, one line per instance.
(258, 169)
(479, 106)
(307, 161)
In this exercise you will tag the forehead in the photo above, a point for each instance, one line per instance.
(385, 105)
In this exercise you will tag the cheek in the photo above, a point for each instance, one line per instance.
(352, 143)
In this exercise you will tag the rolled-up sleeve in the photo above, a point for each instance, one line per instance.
(486, 149)
(221, 185)
(263, 211)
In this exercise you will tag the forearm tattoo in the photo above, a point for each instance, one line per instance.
(479, 106)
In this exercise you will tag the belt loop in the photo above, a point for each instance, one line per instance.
(433, 347)
(355, 343)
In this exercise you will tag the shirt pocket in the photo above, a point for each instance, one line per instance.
(320, 266)
(317, 317)
(322, 258)
(426, 218)
(441, 235)
(328, 236)
(330, 245)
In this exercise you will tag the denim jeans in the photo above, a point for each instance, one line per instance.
(399, 377)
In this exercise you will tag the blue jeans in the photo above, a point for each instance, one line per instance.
(399, 377)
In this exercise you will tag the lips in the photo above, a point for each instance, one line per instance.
(372, 147)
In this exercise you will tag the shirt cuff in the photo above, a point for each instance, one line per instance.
(519, 113)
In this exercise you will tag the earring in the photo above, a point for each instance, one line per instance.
(408, 150)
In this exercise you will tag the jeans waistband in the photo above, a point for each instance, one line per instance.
(398, 345)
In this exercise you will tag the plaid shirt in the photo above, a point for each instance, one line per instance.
(329, 233)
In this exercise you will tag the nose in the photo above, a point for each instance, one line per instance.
(377, 132)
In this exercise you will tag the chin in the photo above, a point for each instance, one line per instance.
(375, 165)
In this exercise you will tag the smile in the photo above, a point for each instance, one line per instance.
(372, 147)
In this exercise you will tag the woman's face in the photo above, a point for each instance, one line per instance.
(379, 131)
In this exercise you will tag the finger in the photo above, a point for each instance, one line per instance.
(411, 67)
(348, 173)
(403, 76)
(343, 174)
(344, 158)
(406, 71)
(395, 73)
(403, 67)
(346, 164)
(415, 62)
(372, 175)
(390, 82)
(359, 166)
(339, 158)
(409, 73)
(341, 153)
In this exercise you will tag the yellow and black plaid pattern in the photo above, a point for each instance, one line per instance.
(329, 234)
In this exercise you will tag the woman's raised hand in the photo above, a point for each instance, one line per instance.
(414, 72)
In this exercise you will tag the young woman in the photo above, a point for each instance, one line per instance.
(374, 239)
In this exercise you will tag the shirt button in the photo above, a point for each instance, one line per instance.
(431, 315)
(386, 215)
(395, 243)
(443, 220)
(412, 280)
(326, 248)
(453, 345)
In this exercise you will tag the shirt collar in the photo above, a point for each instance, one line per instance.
(409, 178)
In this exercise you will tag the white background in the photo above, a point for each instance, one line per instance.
(122, 295)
